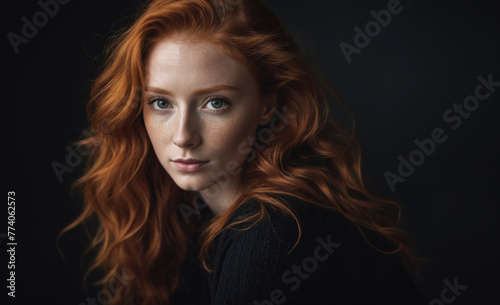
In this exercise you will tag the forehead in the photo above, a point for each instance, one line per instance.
(176, 60)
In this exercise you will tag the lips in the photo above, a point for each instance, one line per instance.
(189, 161)
(189, 165)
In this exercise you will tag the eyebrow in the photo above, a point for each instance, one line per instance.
(197, 92)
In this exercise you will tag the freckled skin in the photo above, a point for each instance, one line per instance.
(183, 124)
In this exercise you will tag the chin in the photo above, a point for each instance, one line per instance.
(190, 184)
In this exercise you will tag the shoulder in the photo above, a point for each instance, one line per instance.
(271, 244)
(311, 220)
(332, 259)
(272, 231)
(277, 225)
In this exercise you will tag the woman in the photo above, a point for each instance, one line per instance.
(217, 175)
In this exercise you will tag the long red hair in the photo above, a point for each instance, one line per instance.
(134, 200)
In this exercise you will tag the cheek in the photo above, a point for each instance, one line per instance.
(234, 140)
(156, 132)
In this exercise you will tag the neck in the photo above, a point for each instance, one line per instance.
(221, 195)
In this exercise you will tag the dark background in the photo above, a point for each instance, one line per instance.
(427, 59)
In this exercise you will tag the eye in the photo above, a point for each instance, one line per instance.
(217, 103)
(160, 103)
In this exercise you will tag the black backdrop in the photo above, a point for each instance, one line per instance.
(415, 70)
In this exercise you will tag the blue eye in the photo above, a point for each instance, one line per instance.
(217, 103)
(160, 103)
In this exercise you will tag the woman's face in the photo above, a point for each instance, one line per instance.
(200, 104)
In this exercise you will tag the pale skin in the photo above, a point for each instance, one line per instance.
(201, 104)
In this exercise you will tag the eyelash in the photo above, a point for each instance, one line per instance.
(156, 98)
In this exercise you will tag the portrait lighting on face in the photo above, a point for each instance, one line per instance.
(199, 106)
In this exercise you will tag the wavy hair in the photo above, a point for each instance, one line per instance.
(134, 200)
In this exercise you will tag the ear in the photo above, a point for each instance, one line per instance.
(268, 108)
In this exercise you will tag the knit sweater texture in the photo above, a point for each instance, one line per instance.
(331, 264)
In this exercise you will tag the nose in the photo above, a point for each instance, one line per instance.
(187, 129)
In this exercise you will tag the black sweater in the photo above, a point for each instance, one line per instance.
(332, 264)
